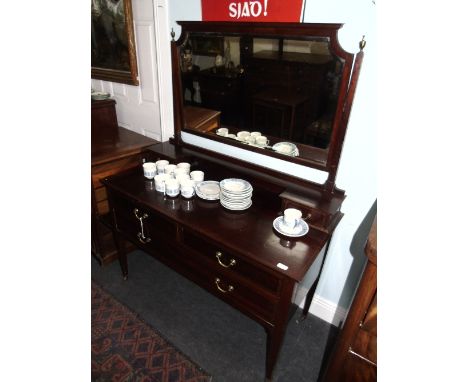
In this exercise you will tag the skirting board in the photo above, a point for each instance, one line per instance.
(324, 309)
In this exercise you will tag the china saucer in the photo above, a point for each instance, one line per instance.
(300, 230)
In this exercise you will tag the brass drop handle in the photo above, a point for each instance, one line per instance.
(229, 289)
(232, 262)
(141, 235)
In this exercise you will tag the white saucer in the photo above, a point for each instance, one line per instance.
(300, 230)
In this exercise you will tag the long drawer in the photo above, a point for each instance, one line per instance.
(228, 288)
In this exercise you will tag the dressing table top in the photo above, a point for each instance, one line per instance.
(247, 233)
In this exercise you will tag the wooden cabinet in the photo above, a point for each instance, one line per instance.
(113, 149)
(235, 255)
(355, 355)
(201, 119)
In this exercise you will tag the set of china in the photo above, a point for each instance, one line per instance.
(173, 179)
(236, 194)
(256, 139)
(233, 194)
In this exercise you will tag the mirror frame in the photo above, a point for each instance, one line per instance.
(351, 68)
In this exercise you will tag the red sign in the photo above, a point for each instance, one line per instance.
(259, 10)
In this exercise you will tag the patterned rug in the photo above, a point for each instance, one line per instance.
(126, 349)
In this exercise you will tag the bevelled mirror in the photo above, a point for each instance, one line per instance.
(290, 83)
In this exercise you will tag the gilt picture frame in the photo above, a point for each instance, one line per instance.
(113, 53)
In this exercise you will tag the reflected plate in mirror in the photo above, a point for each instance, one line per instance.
(286, 148)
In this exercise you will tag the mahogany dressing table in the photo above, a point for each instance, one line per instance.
(237, 255)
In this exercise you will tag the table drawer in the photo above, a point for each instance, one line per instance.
(232, 290)
(144, 227)
(226, 261)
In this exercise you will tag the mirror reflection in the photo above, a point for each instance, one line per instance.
(285, 89)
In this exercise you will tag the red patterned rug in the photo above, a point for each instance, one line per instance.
(126, 349)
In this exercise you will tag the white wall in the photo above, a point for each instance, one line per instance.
(357, 173)
(137, 107)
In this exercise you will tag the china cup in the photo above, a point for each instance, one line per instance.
(255, 134)
(242, 135)
(172, 187)
(187, 188)
(180, 171)
(182, 177)
(261, 140)
(160, 181)
(250, 139)
(222, 131)
(291, 217)
(160, 165)
(197, 176)
(169, 169)
(149, 170)
(185, 166)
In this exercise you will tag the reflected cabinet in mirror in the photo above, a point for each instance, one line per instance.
(282, 89)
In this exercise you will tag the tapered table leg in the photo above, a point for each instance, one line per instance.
(275, 333)
(122, 254)
(311, 292)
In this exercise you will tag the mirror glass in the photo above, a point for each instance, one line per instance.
(285, 89)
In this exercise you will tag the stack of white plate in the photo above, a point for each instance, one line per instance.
(236, 194)
(208, 190)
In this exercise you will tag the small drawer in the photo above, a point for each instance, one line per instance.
(226, 261)
(149, 231)
(312, 216)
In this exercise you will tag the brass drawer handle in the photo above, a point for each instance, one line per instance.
(232, 262)
(141, 235)
(229, 289)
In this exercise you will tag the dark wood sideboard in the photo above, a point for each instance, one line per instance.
(113, 149)
(354, 358)
(236, 256)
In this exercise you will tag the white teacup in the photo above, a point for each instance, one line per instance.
(255, 134)
(250, 139)
(222, 131)
(291, 217)
(187, 188)
(185, 166)
(262, 140)
(149, 170)
(172, 187)
(182, 177)
(197, 176)
(242, 135)
(169, 169)
(160, 165)
(160, 181)
(179, 171)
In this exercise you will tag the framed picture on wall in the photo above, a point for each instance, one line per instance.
(113, 55)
